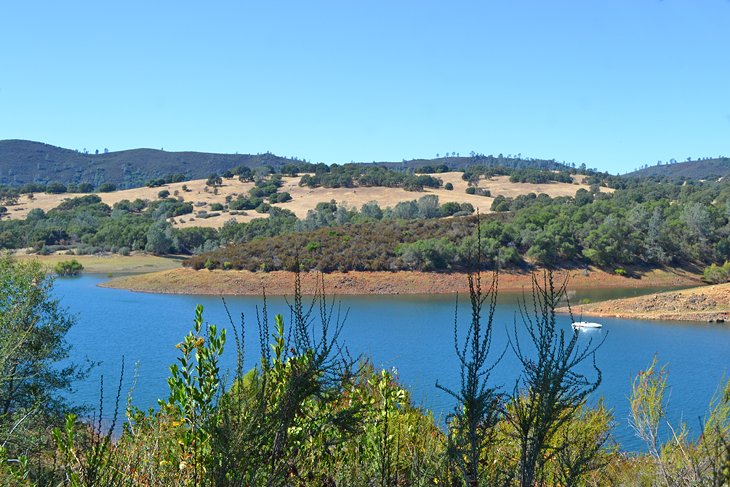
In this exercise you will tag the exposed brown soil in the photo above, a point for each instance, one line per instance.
(218, 282)
(706, 303)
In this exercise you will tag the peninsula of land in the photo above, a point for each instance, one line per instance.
(705, 303)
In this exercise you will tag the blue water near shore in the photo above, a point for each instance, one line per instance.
(412, 334)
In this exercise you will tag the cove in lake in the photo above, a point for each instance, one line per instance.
(413, 334)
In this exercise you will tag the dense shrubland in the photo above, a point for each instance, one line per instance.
(377, 246)
(311, 414)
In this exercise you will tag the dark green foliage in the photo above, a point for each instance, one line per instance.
(168, 179)
(434, 169)
(367, 246)
(34, 370)
(84, 188)
(163, 194)
(279, 222)
(280, 197)
(55, 188)
(33, 188)
(448, 209)
(192, 238)
(244, 203)
(537, 176)
(431, 254)
(27, 162)
(160, 238)
(107, 187)
(705, 168)
(68, 268)
(478, 191)
(716, 274)
(214, 180)
(351, 175)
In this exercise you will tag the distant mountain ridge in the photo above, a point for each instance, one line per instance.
(24, 161)
(699, 169)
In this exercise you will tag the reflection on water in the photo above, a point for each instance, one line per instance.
(413, 334)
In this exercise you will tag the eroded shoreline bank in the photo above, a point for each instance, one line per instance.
(706, 303)
(245, 283)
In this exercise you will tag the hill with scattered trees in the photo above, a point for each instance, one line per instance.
(708, 168)
(23, 162)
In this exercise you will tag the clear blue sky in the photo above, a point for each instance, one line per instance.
(613, 83)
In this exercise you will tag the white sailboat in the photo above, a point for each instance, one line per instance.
(586, 324)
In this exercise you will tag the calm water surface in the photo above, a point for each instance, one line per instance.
(413, 334)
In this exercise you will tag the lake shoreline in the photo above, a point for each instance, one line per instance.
(279, 283)
(706, 304)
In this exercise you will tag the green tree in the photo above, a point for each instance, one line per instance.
(107, 187)
(160, 238)
(33, 327)
(68, 268)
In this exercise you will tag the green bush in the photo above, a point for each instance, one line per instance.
(620, 272)
(68, 268)
(716, 274)
(107, 187)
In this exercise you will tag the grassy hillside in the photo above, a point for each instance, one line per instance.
(304, 198)
(700, 169)
(23, 161)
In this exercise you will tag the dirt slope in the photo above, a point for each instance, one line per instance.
(706, 303)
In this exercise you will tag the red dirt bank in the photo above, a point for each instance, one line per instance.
(218, 282)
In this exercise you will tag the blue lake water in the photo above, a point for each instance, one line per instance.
(413, 334)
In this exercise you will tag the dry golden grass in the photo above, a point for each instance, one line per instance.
(304, 198)
(136, 263)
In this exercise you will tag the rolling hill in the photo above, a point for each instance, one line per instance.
(701, 169)
(304, 198)
(23, 161)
